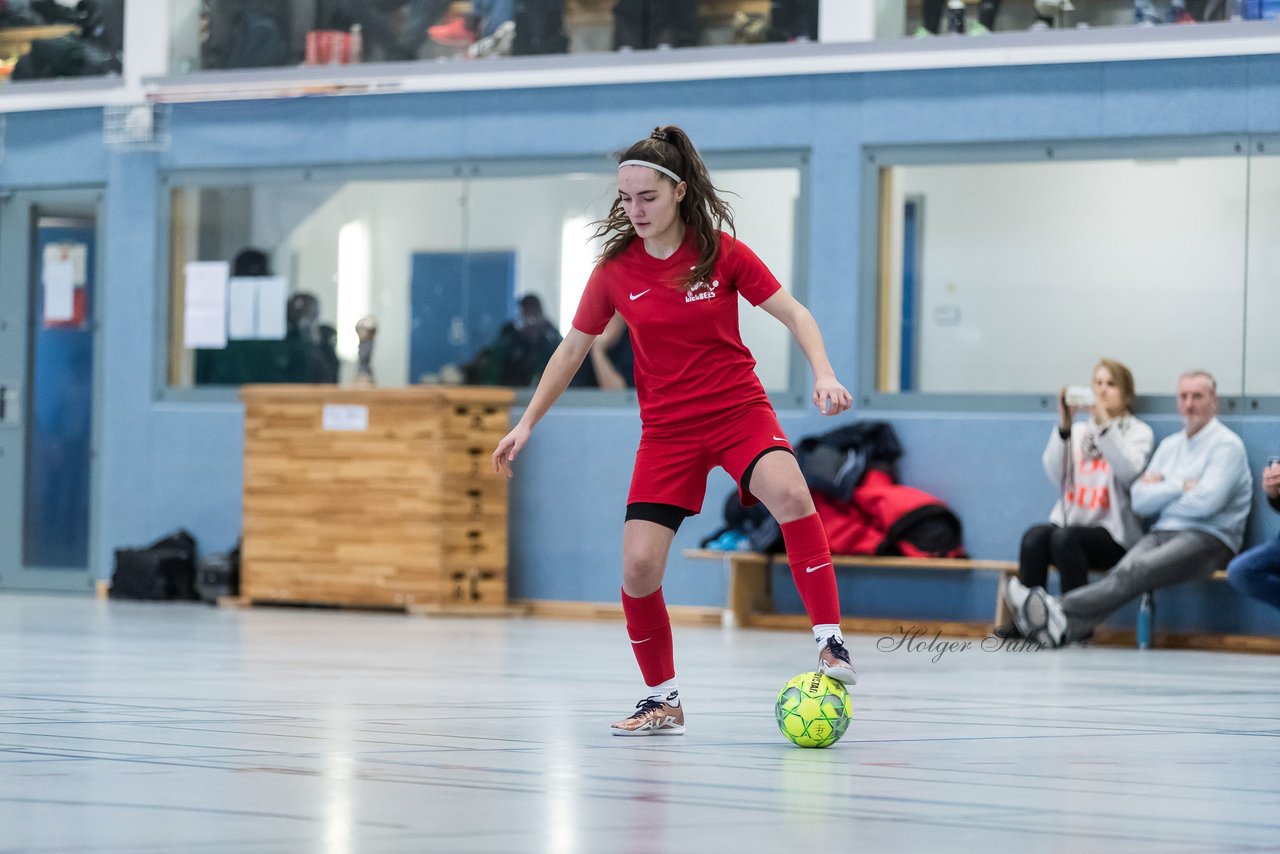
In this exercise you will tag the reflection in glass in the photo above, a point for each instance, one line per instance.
(48, 40)
(56, 505)
(228, 34)
(471, 281)
(1015, 277)
(1262, 321)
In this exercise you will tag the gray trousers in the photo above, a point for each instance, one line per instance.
(1159, 559)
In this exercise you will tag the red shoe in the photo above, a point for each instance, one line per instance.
(455, 32)
(1182, 16)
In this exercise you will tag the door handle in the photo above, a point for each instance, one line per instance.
(9, 404)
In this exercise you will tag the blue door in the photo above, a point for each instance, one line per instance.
(459, 302)
(48, 288)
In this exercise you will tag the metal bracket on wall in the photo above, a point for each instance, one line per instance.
(136, 127)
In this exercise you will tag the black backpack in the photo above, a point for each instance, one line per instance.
(166, 569)
(763, 532)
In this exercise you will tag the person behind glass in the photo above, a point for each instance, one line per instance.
(648, 24)
(612, 359)
(1197, 486)
(931, 18)
(1145, 14)
(1093, 462)
(382, 38)
(1256, 572)
(675, 277)
(522, 347)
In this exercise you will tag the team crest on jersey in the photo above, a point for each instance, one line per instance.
(702, 291)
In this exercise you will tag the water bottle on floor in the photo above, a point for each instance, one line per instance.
(1146, 620)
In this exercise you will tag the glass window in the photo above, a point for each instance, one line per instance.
(1262, 336)
(226, 34)
(50, 40)
(1015, 277)
(270, 276)
(216, 34)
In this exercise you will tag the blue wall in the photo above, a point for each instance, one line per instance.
(166, 464)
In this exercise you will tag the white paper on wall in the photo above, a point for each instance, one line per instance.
(59, 291)
(205, 309)
(242, 309)
(271, 304)
(346, 418)
(256, 308)
(204, 328)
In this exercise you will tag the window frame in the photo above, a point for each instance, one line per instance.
(872, 320)
(794, 396)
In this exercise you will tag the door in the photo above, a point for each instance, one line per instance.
(48, 317)
(459, 302)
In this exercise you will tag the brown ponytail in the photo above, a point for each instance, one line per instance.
(701, 209)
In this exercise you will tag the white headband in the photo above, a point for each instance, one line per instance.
(664, 170)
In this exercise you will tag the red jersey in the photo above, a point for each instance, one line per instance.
(691, 364)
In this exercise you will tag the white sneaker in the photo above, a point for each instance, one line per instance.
(1015, 595)
(499, 43)
(1045, 621)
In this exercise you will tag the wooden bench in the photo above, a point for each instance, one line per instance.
(750, 599)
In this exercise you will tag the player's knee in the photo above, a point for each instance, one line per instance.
(1243, 573)
(791, 502)
(641, 573)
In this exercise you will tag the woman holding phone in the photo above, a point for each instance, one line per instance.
(1093, 461)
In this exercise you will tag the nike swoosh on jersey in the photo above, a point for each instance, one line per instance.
(642, 293)
(779, 438)
(809, 569)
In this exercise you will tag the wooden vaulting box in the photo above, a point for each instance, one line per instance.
(374, 497)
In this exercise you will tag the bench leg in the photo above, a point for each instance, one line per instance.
(748, 587)
(1004, 617)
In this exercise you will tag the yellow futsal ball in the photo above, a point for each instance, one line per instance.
(813, 710)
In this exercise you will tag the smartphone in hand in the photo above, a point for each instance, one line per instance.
(1080, 395)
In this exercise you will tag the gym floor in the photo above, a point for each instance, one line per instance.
(162, 727)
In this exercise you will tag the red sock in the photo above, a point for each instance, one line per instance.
(815, 577)
(649, 627)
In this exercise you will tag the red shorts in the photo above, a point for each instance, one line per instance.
(673, 468)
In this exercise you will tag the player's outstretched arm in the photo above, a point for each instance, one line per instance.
(828, 394)
(564, 363)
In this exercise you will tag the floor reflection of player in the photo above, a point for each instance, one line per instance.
(701, 403)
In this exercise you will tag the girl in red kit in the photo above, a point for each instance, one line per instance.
(675, 278)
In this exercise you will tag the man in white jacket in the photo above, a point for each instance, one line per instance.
(1197, 487)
